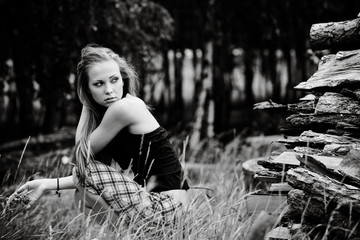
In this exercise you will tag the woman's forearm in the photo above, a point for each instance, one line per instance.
(36, 188)
(64, 183)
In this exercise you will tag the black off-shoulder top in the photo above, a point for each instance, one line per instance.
(150, 156)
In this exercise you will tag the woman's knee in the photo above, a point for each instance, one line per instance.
(93, 206)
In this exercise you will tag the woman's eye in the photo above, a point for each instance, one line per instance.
(97, 84)
(114, 79)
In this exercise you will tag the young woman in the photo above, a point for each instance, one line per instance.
(116, 125)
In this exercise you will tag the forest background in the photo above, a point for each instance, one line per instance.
(202, 64)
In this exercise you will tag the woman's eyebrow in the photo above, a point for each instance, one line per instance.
(97, 80)
(114, 75)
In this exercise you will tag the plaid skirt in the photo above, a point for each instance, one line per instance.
(128, 199)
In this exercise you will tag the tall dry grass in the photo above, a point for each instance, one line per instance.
(218, 213)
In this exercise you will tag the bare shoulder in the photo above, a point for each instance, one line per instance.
(134, 100)
(127, 107)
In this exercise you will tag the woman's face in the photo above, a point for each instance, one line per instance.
(105, 82)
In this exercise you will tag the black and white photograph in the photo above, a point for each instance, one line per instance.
(180, 119)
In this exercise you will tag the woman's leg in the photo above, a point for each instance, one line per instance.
(125, 197)
(129, 200)
(93, 206)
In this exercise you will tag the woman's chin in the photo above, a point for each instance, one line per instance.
(109, 103)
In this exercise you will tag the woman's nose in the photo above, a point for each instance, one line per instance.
(108, 89)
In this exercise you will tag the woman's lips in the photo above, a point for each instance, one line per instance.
(111, 99)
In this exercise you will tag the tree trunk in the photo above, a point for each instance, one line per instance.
(273, 75)
(289, 95)
(178, 103)
(54, 91)
(206, 87)
(221, 90)
(54, 105)
(25, 94)
(206, 98)
(167, 96)
(300, 61)
(11, 113)
(249, 76)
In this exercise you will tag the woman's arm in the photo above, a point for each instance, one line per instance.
(36, 188)
(118, 116)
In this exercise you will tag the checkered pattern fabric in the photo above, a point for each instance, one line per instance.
(128, 199)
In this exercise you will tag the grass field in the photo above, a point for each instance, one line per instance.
(220, 215)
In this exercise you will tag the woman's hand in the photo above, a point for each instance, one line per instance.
(33, 190)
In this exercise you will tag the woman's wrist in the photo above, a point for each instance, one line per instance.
(57, 192)
(47, 185)
(53, 184)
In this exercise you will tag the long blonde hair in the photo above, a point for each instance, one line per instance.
(90, 55)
